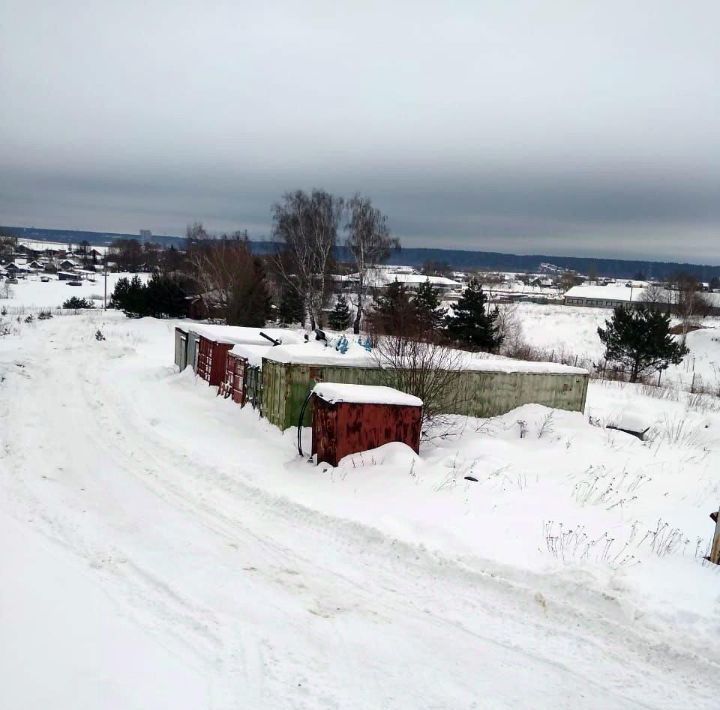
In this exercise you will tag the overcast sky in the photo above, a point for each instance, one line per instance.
(550, 126)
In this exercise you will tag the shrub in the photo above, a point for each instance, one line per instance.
(76, 303)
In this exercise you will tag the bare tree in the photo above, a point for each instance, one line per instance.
(307, 226)
(370, 244)
(656, 297)
(428, 370)
(688, 302)
(231, 279)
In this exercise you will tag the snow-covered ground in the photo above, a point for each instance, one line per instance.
(31, 295)
(162, 547)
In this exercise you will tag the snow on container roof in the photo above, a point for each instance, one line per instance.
(250, 336)
(316, 353)
(364, 394)
(485, 362)
(252, 353)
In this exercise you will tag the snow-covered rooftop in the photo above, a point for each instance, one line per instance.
(249, 336)
(317, 353)
(364, 394)
(252, 353)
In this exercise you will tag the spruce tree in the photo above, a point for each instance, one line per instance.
(472, 323)
(426, 301)
(394, 313)
(339, 318)
(639, 339)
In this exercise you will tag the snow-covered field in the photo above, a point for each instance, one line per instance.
(570, 332)
(31, 295)
(161, 547)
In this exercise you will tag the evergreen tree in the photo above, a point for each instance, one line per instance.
(292, 307)
(394, 313)
(427, 306)
(339, 318)
(472, 323)
(639, 339)
(163, 297)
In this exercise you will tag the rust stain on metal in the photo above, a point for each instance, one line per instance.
(344, 428)
(235, 376)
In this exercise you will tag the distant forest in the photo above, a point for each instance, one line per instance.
(411, 256)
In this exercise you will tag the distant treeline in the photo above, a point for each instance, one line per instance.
(412, 256)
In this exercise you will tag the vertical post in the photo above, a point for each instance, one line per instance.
(105, 296)
(715, 549)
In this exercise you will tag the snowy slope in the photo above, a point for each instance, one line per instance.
(144, 512)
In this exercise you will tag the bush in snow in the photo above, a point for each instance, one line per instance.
(76, 303)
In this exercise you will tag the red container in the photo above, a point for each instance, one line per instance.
(233, 384)
(343, 427)
(212, 359)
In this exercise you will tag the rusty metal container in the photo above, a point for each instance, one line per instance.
(348, 418)
(212, 360)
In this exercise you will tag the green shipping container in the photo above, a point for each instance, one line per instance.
(285, 386)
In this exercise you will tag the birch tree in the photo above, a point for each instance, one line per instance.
(307, 226)
(370, 243)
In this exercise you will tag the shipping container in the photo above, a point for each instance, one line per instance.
(351, 418)
(192, 349)
(495, 387)
(181, 347)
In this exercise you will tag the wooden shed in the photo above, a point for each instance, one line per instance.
(350, 418)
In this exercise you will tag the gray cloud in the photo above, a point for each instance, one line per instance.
(555, 127)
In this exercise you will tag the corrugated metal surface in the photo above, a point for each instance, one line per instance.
(233, 384)
(345, 428)
(212, 360)
(181, 342)
(192, 349)
(478, 394)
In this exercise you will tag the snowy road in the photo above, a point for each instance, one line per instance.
(127, 485)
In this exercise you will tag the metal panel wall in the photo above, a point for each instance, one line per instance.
(477, 394)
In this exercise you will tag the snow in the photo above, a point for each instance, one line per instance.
(485, 362)
(364, 394)
(252, 353)
(318, 353)
(163, 547)
(248, 336)
(570, 333)
(607, 293)
(31, 294)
